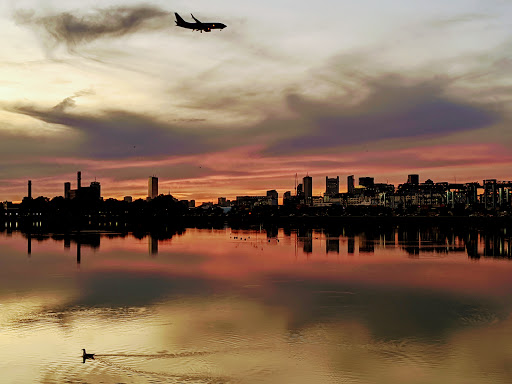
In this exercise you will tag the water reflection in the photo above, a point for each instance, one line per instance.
(267, 305)
(152, 245)
(414, 241)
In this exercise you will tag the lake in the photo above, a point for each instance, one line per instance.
(257, 306)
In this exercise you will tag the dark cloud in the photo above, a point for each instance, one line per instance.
(72, 30)
(391, 109)
(118, 134)
(69, 102)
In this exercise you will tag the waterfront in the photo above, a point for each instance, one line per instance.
(257, 306)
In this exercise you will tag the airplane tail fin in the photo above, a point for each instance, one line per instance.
(179, 20)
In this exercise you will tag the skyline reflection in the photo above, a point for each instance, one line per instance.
(267, 299)
(432, 240)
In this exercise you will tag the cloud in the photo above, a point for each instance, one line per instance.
(71, 30)
(69, 102)
(117, 133)
(393, 108)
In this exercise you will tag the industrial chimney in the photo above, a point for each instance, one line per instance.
(79, 180)
(30, 189)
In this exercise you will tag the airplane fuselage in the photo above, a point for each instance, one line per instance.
(198, 26)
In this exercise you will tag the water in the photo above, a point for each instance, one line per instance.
(228, 306)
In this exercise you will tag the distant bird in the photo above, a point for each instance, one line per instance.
(86, 355)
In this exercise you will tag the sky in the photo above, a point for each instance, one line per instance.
(369, 88)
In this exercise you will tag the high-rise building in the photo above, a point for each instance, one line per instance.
(78, 180)
(350, 184)
(152, 187)
(30, 189)
(287, 196)
(413, 179)
(96, 189)
(300, 190)
(274, 196)
(367, 182)
(308, 189)
(332, 186)
(67, 190)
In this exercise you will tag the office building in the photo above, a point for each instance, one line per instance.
(350, 184)
(307, 182)
(152, 187)
(96, 188)
(274, 196)
(413, 179)
(67, 190)
(332, 186)
(367, 182)
(300, 190)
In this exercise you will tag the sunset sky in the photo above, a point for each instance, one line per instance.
(325, 88)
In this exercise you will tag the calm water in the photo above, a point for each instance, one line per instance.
(228, 306)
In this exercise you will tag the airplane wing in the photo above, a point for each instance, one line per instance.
(197, 21)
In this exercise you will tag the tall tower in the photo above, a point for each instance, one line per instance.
(96, 187)
(30, 189)
(152, 187)
(350, 184)
(78, 180)
(332, 186)
(308, 189)
(67, 190)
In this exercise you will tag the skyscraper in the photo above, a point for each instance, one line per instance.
(307, 182)
(152, 187)
(274, 196)
(413, 179)
(332, 186)
(67, 190)
(350, 184)
(96, 189)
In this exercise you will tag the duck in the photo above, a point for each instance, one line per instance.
(86, 355)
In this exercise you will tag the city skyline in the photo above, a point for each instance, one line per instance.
(329, 89)
(331, 188)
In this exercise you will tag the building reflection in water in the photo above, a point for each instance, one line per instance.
(332, 244)
(29, 244)
(351, 245)
(305, 238)
(366, 245)
(415, 241)
(152, 245)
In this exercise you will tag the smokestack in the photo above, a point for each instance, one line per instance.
(30, 189)
(79, 180)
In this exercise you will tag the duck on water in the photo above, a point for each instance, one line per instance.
(86, 355)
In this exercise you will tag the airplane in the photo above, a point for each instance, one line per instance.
(198, 26)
